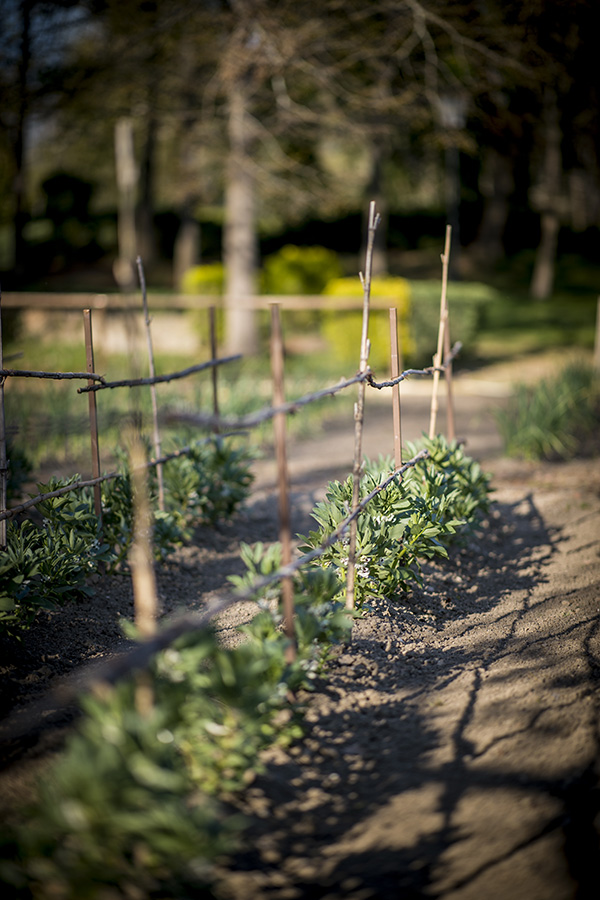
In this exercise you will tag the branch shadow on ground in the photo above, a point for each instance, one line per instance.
(378, 802)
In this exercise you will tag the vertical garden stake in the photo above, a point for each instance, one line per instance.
(93, 413)
(395, 367)
(437, 359)
(450, 421)
(213, 354)
(147, 320)
(287, 587)
(3, 460)
(359, 408)
(142, 568)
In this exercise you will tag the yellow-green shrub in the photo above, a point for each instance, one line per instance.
(204, 280)
(342, 330)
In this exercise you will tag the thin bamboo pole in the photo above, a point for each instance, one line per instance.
(395, 368)
(156, 433)
(212, 312)
(450, 420)
(3, 459)
(142, 569)
(359, 408)
(285, 535)
(437, 359)
(93, 414)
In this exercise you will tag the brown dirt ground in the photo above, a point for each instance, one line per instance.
(453, 748)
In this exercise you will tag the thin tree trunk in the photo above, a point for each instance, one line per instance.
(376, 194)
(542, 281)
(239, 238)
(186, 252)
(145, 213)
(20, 214)
(496, 186)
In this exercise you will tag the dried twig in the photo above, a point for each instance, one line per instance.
(427, 371)
(57, 376)
(157, 379)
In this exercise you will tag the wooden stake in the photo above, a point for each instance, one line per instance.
(93, 413)
(395, 369)
(437, 359)
(156, 433)
(359, 407)
(213, 353)
(285, 536)
(450, 422)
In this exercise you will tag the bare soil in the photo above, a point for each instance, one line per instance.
(452, 750)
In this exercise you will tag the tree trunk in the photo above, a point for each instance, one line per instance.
(375, 192)
(239, 237)
(186, 252)
(542, 281)
(20, 214)
(496, 185)
(145, 211)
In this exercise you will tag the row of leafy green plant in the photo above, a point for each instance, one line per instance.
(49, 561)
(137, 804)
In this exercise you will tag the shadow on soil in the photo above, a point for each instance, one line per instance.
(398, 806)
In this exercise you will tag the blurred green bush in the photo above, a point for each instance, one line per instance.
(342, 330)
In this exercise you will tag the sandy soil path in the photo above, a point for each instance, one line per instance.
(453, 750)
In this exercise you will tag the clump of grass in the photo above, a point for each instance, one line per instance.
(554, 418)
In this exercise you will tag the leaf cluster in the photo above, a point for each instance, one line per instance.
(412, 519)
(136, 802)
(51, 564)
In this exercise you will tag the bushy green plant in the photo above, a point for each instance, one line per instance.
(205, 280)
(342, 330)
(49, 565)
(551, 419)
(394, 532)
(452, 472)
(208, 484)
(120, 812)
(437, 501)
(299, 270)
(45, 566)
(134, 804)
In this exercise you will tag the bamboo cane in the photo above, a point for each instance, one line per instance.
(437, 359)
(285, 536)
(359, 408)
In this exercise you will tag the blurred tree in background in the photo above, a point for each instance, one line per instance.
(254, 116)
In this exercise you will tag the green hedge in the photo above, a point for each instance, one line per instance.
(342, 330)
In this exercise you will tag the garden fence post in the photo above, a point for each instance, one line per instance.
(157, 450)
(213, 353)
(93, 413)
(359, 407)
(3, 460)
(279, 427)
(450, 421)
(437, 359)
(396, 367)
